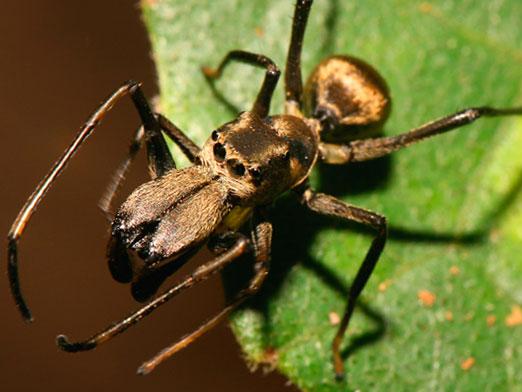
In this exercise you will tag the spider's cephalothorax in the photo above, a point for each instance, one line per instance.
(242, 168)
(260, 158)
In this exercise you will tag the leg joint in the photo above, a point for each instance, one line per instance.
(382, 227)
(472, 114)
(380, 222)
(273, 70)
(132, 85)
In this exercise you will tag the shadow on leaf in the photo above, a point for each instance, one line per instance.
(295, 228)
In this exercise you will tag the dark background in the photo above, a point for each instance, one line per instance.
(58, 60)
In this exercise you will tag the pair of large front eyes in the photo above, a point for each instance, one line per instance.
(235, 167)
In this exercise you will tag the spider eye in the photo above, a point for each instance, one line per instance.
(219, 152)
(235, 167)
(214, 135)
(256, 175)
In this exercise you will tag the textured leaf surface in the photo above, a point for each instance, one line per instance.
(454, 202)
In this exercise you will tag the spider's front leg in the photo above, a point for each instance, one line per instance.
(329, 205)
(159, 158)
(155, 145)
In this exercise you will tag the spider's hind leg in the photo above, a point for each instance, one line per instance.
(367, 149)
(329, 205)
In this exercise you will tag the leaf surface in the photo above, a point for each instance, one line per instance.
(453, 202)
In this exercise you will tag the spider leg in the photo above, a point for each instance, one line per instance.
(366, 149)
(293, 78)
(240, 246)
(118, 258)
(329, 205)
(150, 125)
(159, 158)
(107, 199)
(262, 237)
(148, 279)
(264, 97)
(187, 146)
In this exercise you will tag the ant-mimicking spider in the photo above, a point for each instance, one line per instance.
(241, 169)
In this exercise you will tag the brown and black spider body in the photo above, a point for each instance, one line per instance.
(245, 163)
(242, 168)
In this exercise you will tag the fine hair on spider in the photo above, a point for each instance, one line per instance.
(240, 170)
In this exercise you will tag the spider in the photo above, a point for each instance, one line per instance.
(240, 170)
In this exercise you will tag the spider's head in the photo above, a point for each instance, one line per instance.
(261, 158)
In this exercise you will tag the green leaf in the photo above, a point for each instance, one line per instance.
(454, 202)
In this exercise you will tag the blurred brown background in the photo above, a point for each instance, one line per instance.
(58, 60)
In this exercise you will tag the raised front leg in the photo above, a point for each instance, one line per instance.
(159, 158)
(158, 154)
(328, 205)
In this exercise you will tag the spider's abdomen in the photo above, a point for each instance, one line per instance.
(348, 97)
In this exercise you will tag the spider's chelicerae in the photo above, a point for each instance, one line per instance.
(242, 168)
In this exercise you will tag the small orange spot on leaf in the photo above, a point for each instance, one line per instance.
(426, 298)
(383, 286)
(448, 315)
(425, 7)
(259, 32)
(467, 363)
(515, 317)
(454, 270)
(334, 318)
(491, 320)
